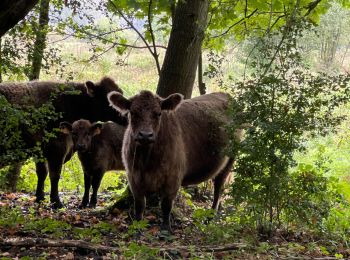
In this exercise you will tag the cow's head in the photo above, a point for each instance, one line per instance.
(144, 112)
(82, 132)
(100, 109)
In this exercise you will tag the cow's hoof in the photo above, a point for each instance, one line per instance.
(166, 228)
(92, 205)
(39, 198)
(82, 206)
(57, 205)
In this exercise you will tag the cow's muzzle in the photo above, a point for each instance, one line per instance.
(145, 137)
(80, 147)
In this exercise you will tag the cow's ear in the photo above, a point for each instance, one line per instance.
(65, 127)
(119, 102)
(90, 88)
(95, 129)
(171, 102)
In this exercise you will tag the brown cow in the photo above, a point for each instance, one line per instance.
(170, 142)
(99, 147)
(73, 101)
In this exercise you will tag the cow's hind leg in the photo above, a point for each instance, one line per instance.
(41, 172)
(219, 181)
(55, 168)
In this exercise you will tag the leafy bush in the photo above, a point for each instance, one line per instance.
(20, 126)
(283, 103)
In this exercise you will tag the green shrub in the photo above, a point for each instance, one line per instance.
(284, 104)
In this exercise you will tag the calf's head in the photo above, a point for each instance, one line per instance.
(82, 133)
(144, 113)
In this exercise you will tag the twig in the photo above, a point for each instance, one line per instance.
(41, 242)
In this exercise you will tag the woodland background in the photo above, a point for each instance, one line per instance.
(286, 64)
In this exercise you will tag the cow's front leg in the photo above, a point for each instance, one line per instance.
(41, 172)
(87, 184)
(167, 205)
(139, 206)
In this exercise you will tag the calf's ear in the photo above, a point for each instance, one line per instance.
(95, 129)
(90, 88)
(65, 127)
(119, 102)
(171, 102)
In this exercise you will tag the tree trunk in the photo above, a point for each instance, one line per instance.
(39, 47)
(12, 11)
(40, 40)
(201, 84)
(12, 176)
(180, 62)
(0, 59)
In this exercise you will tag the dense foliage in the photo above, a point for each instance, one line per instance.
(284, 104)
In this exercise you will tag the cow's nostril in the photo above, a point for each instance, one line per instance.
(145, 135)
(80, 147)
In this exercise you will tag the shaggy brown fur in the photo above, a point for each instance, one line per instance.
(99, 147)
(74, 101)
(170, 142)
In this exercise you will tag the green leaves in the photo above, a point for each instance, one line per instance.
(283, 102)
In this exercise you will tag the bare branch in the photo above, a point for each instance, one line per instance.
(155, 54)
(131, 25)
(43, 242)
(311, 6)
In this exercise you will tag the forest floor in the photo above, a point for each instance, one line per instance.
(32, 231)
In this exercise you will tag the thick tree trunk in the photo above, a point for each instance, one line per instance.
(180, 62)
(39, 47)
(12, 11)
(40, 40)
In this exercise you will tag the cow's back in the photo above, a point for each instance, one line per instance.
(202, 121)
(33, 93)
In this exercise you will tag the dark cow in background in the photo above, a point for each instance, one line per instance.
(73, 101)
(170, 142)
(99, 148)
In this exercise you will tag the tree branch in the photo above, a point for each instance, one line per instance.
(41, 242)
(132, 26)
(155, 54)
(311, 6)
(233, 25)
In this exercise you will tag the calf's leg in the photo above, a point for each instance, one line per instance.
(96, 181)
(41, 172)
(87, 184)
(219, 181)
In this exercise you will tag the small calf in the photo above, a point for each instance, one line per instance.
(99, 149)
